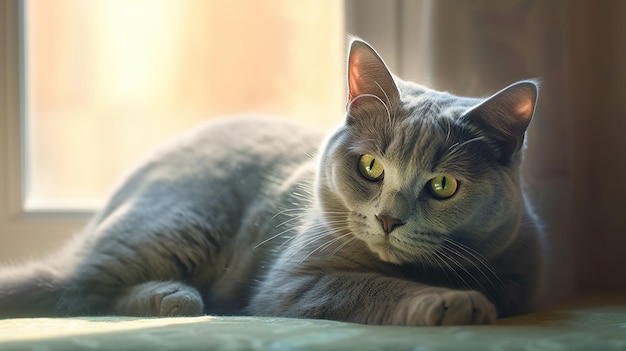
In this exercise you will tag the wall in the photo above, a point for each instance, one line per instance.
(597, 48)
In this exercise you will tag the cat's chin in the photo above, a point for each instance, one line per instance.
(390, 257)
(387, 253)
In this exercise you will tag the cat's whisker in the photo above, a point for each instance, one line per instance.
(384, 103)
(459, 145)
(290, 220)
(450, 268)
(272, 178)
(325, 245)
(290, 239)
(310, 155)
(437, 260)
(274, 237)
(463, 268)
(376, 98)
(477, 259)
(342, 245)
(294, 228)
(300, 216)
(334, 212)
(476, 255)
(313, 237)
(456, 147)
(327, 223)
(300, 196)
(449, 131)
(287, 211)
(325, 232)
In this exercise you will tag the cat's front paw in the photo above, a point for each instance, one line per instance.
(181, 302)
(160, 299)
(447, 307)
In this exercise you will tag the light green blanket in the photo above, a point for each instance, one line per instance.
(599, 325)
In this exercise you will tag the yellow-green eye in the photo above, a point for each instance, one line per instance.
(370, 168)
(443, 186)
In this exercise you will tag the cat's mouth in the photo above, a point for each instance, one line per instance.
(399, 248)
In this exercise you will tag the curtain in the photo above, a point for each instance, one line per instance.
(575, 165)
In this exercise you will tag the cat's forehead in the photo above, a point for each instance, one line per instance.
(426, 131)
(425, 122)
(417, 140)
(425, 104)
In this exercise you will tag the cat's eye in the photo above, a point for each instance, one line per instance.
(443, 186)
(370, 168)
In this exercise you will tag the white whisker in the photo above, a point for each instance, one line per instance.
(274, 237)
(388, 100)
(461, 266)
(285, 211)
(450, 267)
(324, 246)
(342, 245)
(313, 236)
(476, 260)
(375, 97)
(457, 146)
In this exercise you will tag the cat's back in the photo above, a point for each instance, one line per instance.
(237, 141)
(249, 135)
(248, 151)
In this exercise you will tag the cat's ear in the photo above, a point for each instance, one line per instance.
(507, 114)
(368, 76)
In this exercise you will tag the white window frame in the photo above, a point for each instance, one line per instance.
(26, 232)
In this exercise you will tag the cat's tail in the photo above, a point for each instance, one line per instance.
(34, 290)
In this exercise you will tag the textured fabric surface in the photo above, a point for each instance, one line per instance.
(592, 324)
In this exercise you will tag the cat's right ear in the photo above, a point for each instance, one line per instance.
(507, 114)
(368, 76)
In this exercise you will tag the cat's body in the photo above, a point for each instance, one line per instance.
(250, 216)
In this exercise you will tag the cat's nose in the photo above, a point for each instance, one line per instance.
(389, 223)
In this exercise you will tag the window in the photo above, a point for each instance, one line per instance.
(86, 88)
(108, 80)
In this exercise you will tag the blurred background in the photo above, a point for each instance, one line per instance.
(106, 80)
(109, 79)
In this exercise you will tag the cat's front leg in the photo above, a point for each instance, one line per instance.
(370, 298)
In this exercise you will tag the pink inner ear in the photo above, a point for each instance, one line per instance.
(354, 76)
(525, 108)
(368, 76)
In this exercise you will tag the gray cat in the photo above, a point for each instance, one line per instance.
(410, 213)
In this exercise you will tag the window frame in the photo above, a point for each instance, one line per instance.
(23, 231)
(28, 231)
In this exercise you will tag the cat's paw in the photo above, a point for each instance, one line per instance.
(448, 307)
(160, 299)
(181, 302)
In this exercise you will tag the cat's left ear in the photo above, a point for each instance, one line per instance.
(507, 114)
(368, 76)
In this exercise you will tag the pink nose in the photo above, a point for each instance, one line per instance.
(389, 223)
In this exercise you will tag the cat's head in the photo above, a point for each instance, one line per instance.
(413, 170)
